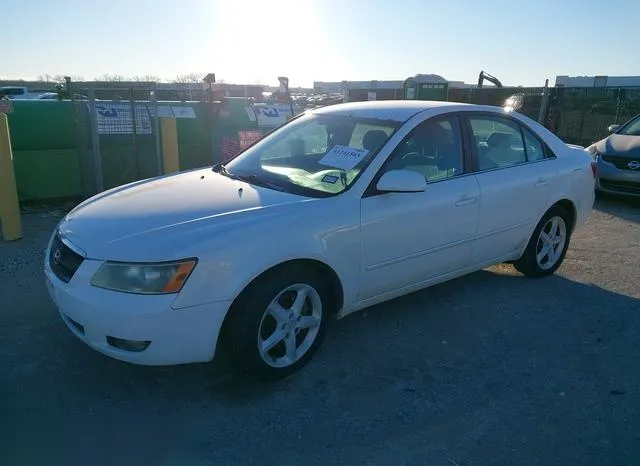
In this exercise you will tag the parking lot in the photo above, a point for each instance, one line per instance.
(489, 369)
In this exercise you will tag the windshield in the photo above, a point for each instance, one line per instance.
(632, 128)
(314, 155)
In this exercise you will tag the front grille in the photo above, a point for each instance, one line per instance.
(63, 260)
(620, 162)
(621, 186)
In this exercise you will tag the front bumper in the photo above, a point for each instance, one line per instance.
(614, 180)
(103, 319)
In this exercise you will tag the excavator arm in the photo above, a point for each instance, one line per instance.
(487, 77)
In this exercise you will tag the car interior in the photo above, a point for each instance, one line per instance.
(500, 150)
(309, 149)
(433, 150)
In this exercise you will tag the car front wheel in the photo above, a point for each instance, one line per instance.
(548, 245)
(277, 323)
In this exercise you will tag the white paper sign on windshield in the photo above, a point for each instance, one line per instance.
(343, 157)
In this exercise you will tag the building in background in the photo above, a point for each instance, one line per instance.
(324, 87)
(354, 91)
(375, 90)
(597, 81)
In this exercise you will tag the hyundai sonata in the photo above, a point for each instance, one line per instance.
(341, 208)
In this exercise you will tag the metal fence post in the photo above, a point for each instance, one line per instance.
(583, 111)
(134, 130)
(618, 102)
(156, 130)
(544, 104)
(95, 142)
(76, 126)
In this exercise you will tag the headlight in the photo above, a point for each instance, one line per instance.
(162, 278)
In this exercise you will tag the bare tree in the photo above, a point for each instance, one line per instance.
(111, 77)
(45, 77)
(189, 78)
(147, 78)
(51, 78)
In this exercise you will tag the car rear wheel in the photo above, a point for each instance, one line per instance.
(278, 323)
(548, 245)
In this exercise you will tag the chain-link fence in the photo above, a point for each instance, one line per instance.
(492, 95)
(117, 133)
(577, 115)
(117, 127)
(586, 113)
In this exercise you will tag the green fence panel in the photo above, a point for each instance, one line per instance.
(193, 139)
(194, 154)
(122, 163)
(47, 174)
(42, 125)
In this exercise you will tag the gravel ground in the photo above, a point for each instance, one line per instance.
(489, 369)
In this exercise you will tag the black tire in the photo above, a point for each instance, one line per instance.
(246, 316)
(528, 263)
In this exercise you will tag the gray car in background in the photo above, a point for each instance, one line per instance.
(618, 159)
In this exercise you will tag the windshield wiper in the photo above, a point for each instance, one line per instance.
(249, 178)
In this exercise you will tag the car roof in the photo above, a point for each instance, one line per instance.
(398, 110)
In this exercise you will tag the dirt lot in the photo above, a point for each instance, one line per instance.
(490, 369)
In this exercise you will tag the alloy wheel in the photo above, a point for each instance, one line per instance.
(289, 325)
(551, 242)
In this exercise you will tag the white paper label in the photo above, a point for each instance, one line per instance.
(343, 157)
(183, 112)
(164, 111)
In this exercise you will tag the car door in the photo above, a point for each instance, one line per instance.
(407, 238)
(515, 175)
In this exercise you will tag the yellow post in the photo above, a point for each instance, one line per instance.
(170, 155)
(9, 207)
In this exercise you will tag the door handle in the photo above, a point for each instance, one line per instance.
(464, 200)
(542, 181)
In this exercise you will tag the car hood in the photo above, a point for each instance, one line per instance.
(135, 220)
(619, 145)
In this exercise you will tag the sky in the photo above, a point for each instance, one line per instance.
(522, 42)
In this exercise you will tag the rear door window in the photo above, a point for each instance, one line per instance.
(498, 141)
(535, 148)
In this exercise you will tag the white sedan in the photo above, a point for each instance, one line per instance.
(341, 208)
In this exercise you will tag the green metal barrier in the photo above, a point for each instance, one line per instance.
(43, 138)
(54, 150)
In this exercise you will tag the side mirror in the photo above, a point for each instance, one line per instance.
(613, 128)
(401, 181)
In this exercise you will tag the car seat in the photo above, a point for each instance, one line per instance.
(498, 152)
(373, 140)
(439, 154)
